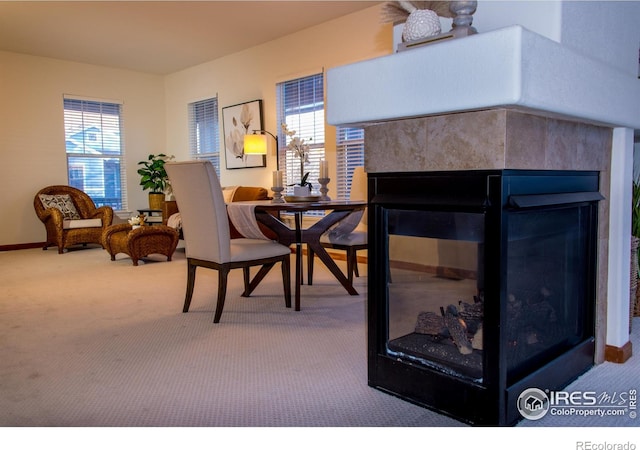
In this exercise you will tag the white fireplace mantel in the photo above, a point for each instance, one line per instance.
(509, 67)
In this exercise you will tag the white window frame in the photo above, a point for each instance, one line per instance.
(95, 150)
(303, 112)
(204, 131)
(349, 155)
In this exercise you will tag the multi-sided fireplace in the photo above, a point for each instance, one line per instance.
(480, 244)
(501, 297)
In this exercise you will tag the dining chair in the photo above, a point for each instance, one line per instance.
(207, 236)
(350, 234)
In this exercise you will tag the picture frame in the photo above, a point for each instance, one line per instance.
(237, 121)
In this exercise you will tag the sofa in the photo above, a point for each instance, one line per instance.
(170, 212)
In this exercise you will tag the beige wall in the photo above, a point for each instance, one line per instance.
(32, 146)
(155, 108)
(253, 74)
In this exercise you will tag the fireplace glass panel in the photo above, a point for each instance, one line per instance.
(435, 276)
(547, 269)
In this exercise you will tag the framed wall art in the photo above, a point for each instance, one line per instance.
(237, 121)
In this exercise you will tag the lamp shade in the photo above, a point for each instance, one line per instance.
(255, 144)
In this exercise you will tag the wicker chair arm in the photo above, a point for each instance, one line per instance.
(51, 214)
(105, 213)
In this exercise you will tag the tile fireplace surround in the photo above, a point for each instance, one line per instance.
(499, 139)
(504, 99)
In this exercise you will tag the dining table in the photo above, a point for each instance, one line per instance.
(270, 213)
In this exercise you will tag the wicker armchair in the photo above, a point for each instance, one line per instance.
(85, 226)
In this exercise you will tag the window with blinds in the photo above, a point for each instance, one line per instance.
(300, 105)
(95, 154)
(204, 131)
(349, 155)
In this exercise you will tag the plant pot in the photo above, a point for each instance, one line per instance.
(156, 200)
(634, 306)
(301, 191)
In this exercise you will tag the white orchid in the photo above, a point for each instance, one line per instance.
(300, 150)
(297, 145)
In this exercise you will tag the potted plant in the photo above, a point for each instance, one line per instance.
(301, 151)
(154, 177)
(635, 242)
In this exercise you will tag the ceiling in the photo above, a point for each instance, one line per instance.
(157, 37)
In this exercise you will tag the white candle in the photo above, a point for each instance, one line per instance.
(277, 178)
(324, 169)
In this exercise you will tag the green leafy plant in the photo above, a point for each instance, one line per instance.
(635, 210)
(635, 215)
(154, 176)
(303, 182)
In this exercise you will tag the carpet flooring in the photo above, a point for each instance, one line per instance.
(89, 342)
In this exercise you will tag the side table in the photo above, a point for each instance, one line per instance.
(140, 242)
(153, 216)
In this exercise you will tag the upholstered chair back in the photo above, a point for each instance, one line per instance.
(359, 192)
(204, 213)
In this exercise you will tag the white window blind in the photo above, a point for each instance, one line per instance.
(300, 104)
(349, 155)
(95, 154)
(204, 131)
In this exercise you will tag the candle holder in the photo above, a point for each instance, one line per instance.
(277, 194)
(323, 189)
(463, 18)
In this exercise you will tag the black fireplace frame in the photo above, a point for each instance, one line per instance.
(492, 401)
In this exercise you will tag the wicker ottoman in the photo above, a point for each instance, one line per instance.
(141, 242)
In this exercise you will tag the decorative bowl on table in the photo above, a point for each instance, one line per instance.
(301, 198)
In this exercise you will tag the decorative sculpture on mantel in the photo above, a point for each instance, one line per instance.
(422, 23)
(463, 18)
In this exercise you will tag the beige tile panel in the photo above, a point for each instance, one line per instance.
(488, 139)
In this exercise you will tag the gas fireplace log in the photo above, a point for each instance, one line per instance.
(472, 314)
(431, 323)
(470, 311)
(476, 342)
(458, 330)
(463, 326)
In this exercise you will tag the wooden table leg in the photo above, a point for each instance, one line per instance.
(299, 280)
(321, 253)
(312, 238)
